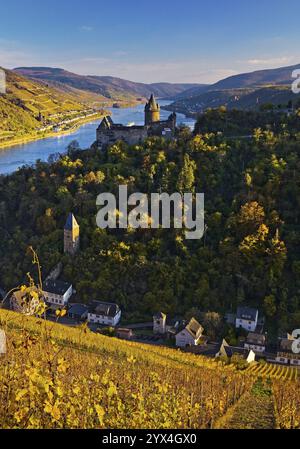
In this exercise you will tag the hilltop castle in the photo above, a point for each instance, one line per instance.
(109, 132)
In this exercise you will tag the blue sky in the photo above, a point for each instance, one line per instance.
(161, 40)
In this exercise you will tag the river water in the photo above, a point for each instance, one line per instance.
(12, 158)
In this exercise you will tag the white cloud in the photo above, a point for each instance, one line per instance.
(86, 28)
(265, 62)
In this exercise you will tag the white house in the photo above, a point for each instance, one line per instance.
(57, 293)
(256, 342)
(105, 313)
(286, 353)
(190, 335)
(246, 318)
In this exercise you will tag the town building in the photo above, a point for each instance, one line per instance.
(105, 313)
(223, 349)
(246, 318)
(124, 334)
(159, 323)
(109, 132)
(57, 293)
(78, 312)
(256, 342)
(227, 351)
(71, 235)
(190, 335)
(286, 353)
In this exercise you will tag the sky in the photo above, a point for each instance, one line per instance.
(192, 41)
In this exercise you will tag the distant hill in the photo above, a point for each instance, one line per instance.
(250, 98)
(108, 86)
(282, 75)
(247, 90)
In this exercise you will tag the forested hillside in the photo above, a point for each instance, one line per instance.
(250, 251)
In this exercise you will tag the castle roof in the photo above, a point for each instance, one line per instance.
(152, 105)
(106, 122)
(71, 222)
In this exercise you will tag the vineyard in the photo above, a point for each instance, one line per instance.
(58, 377)
(274, 371)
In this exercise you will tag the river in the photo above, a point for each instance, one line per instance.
(12, 158)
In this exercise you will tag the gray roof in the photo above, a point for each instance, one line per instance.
(159, 315)
(256, 338)
(56, 287)
(104, 308)
(78, 309)
(247, 313)
(231, 350)
(194, 328)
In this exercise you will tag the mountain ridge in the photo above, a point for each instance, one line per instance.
(109, 86)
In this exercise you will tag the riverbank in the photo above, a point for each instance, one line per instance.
(45, 135)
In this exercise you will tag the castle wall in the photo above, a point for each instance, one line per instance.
(130, 135)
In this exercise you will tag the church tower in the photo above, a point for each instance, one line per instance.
(71, 235)
(152, 111)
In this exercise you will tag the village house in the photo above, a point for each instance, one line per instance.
(286, 353)
(225, 350)
(104, 313)
(78, 312)
(190, 335)
(124, 334)
(57, 293)
(246, 318)
(256, 342)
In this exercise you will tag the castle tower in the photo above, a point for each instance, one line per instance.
(152, 111)
(71, 235)
(159, 323)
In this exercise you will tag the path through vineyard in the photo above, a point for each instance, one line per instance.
(255, 410)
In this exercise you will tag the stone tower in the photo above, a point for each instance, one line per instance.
(71, 235)
(159, 323)
(152, 111)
